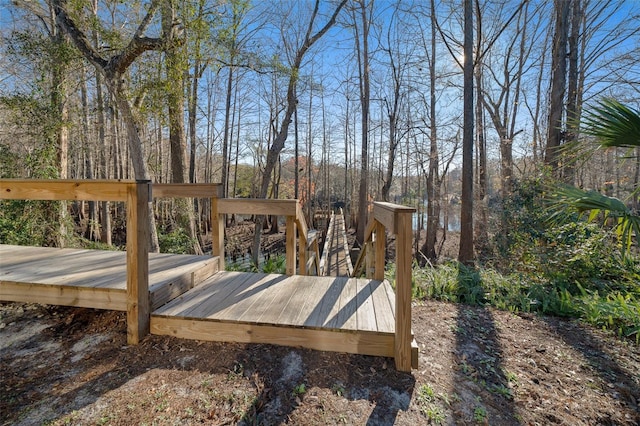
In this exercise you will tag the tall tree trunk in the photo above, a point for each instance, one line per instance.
(114, 71)
(175, 63)
(281, 136)
(573, 107)
(365, 96)
(433, 175)
(465, 254)
(481, 225)
(59, 71)
(555, 133)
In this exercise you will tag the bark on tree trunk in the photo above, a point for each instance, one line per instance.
(555, 134)
(465, 254)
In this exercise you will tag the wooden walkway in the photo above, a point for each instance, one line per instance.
(93, 278)
(324, 313)
(336, 261)
(192, 296)
(191, 299)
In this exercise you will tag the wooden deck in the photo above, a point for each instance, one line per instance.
(338, 314)
(325, 313)
(191, 299)
(93, 278)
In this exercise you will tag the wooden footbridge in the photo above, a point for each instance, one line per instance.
(194, 297)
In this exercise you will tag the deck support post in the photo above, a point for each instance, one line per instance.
(291, 245)
(138, 309)
(379, 252)
(403, 292)
(217, 233)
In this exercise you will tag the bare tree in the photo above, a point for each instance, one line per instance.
(365, 10)
(310, 38)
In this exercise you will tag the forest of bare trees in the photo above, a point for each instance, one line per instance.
(435, 104)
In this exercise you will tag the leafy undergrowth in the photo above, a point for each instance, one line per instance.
(610, 305)
(477, 366)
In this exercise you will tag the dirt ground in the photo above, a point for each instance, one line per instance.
(62, 365)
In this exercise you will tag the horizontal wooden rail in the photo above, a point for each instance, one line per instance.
(296, 229)
(88, 190)
(187, 190)
(255, 206)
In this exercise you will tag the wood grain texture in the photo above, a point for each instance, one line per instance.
(138, 300)
(92, 278)
(90, 190)
(187, 190)
(257, 206)
(325, 340)
(81, 297)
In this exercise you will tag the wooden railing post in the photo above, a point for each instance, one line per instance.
(138, 309)
(217, 233)
(379, 252)
(291, 245)
(403, 291)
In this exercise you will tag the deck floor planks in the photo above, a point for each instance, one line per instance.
(316, 290)
(346, 317)
(294, 301)
(366, 316)
(311, 291)
(385, 318)
(290, 301)
(89, 278)
(328, 306)
(214, 291)
(262, 307)
(253, 289)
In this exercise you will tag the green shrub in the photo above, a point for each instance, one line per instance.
(176, 242)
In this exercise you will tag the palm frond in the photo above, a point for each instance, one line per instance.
(612, 124)
(569, 199)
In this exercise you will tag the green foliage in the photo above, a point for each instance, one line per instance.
(8, 163)
(612, 124)
(176, 242)
(28, 222)
(271, 265)
(569, 200)
(608, 302)
(274, 265)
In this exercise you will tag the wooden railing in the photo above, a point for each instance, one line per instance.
(136, 196)
(396, 220)
(296, 230)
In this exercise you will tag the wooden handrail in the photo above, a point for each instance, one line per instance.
(136, 195)
(187, 190)
(296, 229)
(64, 189)
(397, 220)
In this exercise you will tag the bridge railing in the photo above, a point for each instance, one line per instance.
(301, 242)
(136, 196)
(395, 219)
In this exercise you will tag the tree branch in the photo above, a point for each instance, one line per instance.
(77, 36)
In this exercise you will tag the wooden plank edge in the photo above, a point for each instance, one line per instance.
(362, 343)
(414, 354)
(187, 190)
(60, 295)
(161, 294)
